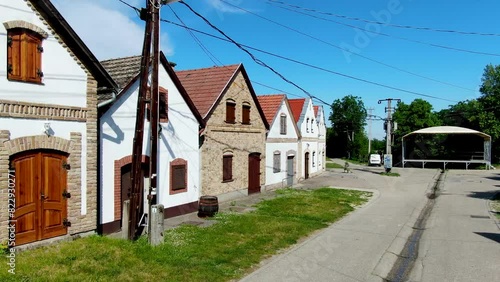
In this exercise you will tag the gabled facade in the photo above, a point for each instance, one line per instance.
(48, 125)
(305, 118)
(178, 174)
(282, 142)
(320, 119)
(232, 144)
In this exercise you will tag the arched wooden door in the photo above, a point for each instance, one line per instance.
(253, 173)
(126, 187)
(41, 203)
(306, 165)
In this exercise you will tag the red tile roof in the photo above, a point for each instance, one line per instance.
(315, 110)
(270, 105)
(296, 106)
(204, 86)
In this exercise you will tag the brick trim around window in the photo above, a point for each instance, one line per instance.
(178, 176)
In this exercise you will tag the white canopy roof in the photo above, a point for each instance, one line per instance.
(449, 130)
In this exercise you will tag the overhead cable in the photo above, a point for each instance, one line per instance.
(386, 23)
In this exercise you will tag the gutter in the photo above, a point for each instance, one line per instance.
(107, 102)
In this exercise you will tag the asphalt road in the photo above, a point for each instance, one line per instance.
(460, 241)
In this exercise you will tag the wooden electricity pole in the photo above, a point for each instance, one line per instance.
(136, 193)
(154, 112)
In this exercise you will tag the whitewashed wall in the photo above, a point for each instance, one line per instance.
(64, 80)
(283, 147)
(309, 141)
(178, 139)
(321, 138)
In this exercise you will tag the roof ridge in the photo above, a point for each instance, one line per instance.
(213, 67)
(120, 58)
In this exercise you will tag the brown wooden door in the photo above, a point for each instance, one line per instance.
(306, 166)
(253, 173)
(40, 204)
(126, 186)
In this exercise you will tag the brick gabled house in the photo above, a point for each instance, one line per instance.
(233, 143)
(49, 84)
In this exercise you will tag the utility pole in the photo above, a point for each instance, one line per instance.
(154, 112)
(137, 192)
(370, 118)
(388, 133)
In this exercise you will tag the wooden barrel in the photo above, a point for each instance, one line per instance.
(208, 206)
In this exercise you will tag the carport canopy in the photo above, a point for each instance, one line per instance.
(452, 130)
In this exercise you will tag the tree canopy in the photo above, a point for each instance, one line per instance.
(347, 138)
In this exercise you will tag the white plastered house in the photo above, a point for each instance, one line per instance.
(178, 180)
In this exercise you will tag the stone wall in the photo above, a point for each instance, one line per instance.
(238, 139)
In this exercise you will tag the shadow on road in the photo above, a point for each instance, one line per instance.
(492, 236)
(487, 195)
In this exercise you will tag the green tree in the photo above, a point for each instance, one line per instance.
(348, 119)
(416, 115)
(489, 117)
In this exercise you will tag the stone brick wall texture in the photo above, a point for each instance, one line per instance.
(238, 139)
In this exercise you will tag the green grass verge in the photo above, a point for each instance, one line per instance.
(395, 174)
(334, 165)
(355, 161)
(224, 251)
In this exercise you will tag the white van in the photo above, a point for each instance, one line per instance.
(375, 160)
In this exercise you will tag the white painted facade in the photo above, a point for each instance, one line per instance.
(64, 83)
(309, 138)
(320, 119)
(286, 145)
(179, 138)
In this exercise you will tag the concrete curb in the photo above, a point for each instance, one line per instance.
(387, 261)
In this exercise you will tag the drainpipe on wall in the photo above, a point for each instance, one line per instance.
(107, 102)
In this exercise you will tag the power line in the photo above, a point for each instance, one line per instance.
(347, 50)
(393, 36)
(317, 67)
(386, 24)
(256, 60)
(203, 48)
(209, 54)
(135, 8)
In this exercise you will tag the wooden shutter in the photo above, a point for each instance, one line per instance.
(276, 162)
(14, 55)
(32, 61)
(24, 56)
(163, 106)
(246, 114)
(230, 112)
(227, 168)
(178, 177)
(282, 124)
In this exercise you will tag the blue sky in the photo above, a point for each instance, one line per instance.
(115, 31)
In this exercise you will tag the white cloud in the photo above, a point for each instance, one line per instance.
(109, 28)
(222, 7)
